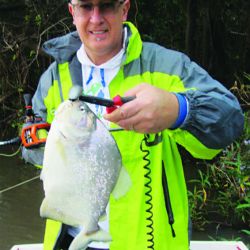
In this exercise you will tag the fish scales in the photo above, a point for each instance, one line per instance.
(82, 165)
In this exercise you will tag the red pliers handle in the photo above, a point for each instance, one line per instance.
(118, 101)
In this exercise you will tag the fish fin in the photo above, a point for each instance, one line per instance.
(82, 240)
(46, 211)
(103, 217)
(123, 184)
(50, 211)
(44, 208)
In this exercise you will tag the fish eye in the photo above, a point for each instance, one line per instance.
(82, 108)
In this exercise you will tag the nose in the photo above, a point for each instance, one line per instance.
(96, 15)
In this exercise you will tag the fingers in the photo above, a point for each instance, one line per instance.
(138, 120)
(140, 123)
(129, 109)
(136, 90)
(126, 111)
(152, 111)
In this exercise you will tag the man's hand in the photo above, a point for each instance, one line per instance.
(152, 111)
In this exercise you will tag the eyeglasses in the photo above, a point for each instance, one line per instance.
(84, 8)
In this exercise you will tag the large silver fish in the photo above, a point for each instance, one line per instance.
(82, 166)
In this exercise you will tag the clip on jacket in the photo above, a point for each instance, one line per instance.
(76, 93)
(30, 133)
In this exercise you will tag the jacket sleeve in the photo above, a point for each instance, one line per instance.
(215, 117)
(35, 155)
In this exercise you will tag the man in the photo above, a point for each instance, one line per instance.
(176, 102)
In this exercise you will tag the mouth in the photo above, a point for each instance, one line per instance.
(99, 34)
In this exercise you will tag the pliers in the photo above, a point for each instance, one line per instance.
(76, 93)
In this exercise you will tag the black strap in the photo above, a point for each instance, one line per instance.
(167, 199)
(64, 239)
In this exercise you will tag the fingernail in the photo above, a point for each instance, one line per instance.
(122, 112)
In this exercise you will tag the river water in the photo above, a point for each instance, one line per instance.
(20, 222)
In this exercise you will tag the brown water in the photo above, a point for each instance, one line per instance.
(20, 222)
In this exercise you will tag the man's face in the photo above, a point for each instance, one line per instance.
(99, 24)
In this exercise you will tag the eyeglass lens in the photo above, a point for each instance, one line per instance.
(105, 7)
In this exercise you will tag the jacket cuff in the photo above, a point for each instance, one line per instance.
(183, 111)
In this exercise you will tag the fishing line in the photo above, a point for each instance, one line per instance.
(11, 155)
(11, 141)
(19, 184)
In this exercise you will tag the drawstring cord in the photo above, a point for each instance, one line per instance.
(91, 76)
(102, 77)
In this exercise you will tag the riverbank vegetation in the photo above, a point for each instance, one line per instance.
(216, 34)
(219, 194)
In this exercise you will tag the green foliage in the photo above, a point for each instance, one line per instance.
(241, 89)
(221, 192)
(161, 21)
(25, 25)
(38, 20)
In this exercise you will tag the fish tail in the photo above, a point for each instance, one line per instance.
(82, 240)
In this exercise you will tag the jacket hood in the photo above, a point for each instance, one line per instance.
(63, 48)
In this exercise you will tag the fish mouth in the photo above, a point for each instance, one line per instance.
(87, 122)
(92, 121)
(83, 123)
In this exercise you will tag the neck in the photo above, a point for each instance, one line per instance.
(100, 58)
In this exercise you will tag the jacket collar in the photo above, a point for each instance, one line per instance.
(63, 48)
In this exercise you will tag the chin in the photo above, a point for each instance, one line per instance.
(99, 45)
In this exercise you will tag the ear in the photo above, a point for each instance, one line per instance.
(126, 7)
(71, 11)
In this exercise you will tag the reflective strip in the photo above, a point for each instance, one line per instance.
(192, 144)
(58, 89)
(134, 45)
(52, 100)
(65, 78)
(51, 234)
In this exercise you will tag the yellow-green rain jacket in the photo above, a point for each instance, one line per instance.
(140, 220)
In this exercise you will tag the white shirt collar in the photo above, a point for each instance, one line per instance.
(111, 63)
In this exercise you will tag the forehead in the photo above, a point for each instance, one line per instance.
(95, 1)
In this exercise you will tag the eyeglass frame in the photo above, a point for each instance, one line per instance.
(74, 5)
